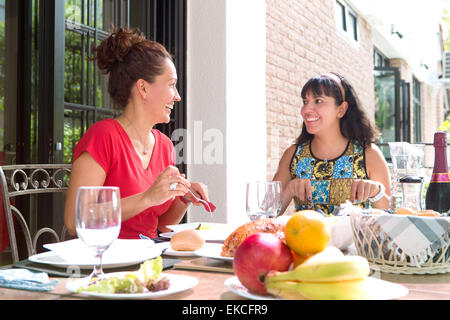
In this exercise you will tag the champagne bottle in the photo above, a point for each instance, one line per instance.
(438, 192)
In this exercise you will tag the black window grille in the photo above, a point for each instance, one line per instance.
(417, 114)
(87, 23)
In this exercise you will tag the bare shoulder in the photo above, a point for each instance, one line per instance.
(287, 154)
(374, 154)
(375, 162)
(283, 166)
(87, 170)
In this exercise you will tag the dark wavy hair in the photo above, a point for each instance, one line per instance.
(127, 56)
(355, 124)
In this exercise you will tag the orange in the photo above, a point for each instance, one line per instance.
(298, 259)
(307, 232)
(405, 211)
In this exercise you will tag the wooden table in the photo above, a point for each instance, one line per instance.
(211, 287)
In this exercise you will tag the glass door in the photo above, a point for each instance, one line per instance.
(86, 99)
(8, 81)
(387, 106)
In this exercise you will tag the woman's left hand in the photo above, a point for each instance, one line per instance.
(200, 190)
(363, 189)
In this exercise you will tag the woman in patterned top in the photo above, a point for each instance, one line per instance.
(334, 159)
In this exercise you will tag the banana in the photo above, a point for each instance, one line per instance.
(322, 268)
(339, 290)
(328, 254)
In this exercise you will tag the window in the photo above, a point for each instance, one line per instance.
(417, 110)
(353, 26)
(340, 16)
(346, 20)
(387, 106)
(379, 59)
(87, 23)
(86, 99)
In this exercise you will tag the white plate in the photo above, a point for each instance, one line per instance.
(379, 289)
(76, 252)
(175, 253)
(77, 244)
(216, 232)
(55, 259)
(212, 250)
(170, 252)
(178, 283)
(208, 235)
(210, 225)
(167, 234)
(235, 286)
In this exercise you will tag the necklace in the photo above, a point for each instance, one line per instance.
(144, 152)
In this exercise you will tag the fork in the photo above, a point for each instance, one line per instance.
(208, 205)
(315, 207)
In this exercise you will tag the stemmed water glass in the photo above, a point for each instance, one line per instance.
(263, 199)
(98, 219)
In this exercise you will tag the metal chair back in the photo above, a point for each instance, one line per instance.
(28, 179)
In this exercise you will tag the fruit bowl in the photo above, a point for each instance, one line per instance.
(402, 244)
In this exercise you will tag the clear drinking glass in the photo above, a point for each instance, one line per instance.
(98, 220)
(263, 199)
(416, 160)
(399, 156)
(407, 160)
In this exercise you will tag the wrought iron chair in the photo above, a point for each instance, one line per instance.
(28, 179)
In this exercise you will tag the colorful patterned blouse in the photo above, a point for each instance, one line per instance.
(331, 180)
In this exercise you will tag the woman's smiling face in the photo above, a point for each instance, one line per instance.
(162, 93)
(320, 113)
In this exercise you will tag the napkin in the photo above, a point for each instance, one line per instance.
(76, 251)
(26, 280)
(418, 237)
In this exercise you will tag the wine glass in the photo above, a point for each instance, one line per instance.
(98, 219)
(263, 199)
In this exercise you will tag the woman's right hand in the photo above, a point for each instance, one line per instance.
(160, 190)
(300, 188)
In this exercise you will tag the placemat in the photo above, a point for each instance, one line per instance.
(205, 264)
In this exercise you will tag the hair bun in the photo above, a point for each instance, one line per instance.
(116, 47)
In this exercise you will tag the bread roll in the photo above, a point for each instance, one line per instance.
(428, 213)
(406, 211)
(187, 240)
(274, 226)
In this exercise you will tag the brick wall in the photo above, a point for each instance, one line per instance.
(302, 41)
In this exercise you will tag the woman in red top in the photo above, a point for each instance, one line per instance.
(126, 151)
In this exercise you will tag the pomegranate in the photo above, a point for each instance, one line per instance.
(256, 256)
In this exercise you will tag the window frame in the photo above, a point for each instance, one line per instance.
(87, 110)
(382, 57)
(417, 109)
(347, 16)
(397, 109)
